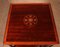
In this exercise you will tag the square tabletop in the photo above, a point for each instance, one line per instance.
(30, 24)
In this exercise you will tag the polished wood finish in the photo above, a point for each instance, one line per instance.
(43, 33)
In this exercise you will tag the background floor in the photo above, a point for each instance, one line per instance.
(4, 7)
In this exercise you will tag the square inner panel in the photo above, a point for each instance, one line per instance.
(31, 22)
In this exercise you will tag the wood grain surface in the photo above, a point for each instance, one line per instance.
(43, 31)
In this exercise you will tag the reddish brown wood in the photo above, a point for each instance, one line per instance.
(26, 46)
(44, 32)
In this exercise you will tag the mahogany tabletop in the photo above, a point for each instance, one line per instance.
(30, 24)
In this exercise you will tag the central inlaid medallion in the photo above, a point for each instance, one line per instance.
(30, 20)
